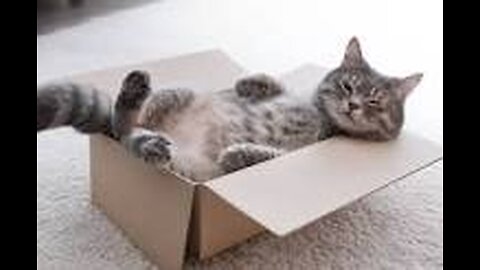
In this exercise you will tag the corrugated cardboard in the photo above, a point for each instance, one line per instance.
(166, 215)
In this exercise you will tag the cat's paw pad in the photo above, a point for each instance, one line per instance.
(156, 149)
(258, 86)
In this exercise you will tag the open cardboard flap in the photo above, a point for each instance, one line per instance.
(296, 189)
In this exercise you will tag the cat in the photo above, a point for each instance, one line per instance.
(209, 135)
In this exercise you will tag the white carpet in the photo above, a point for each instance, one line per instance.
(400, 227)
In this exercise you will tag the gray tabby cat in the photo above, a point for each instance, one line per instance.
(205, 136)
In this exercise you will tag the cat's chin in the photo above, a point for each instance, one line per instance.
(352, 128)
(348, 123)
(369, 135)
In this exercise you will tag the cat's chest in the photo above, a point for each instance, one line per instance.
(195, 142)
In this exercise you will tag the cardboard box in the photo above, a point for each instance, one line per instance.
(170, 217)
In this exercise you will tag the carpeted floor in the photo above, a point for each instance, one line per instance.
(400, 227)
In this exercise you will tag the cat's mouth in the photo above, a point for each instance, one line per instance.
(353, 116)
(355, 121)
(350, 116)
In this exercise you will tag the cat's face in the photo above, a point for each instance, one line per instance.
(360, 101)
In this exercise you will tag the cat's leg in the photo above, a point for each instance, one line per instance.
(258, 87)
(239, 156)
(152, 147)
(135, 90)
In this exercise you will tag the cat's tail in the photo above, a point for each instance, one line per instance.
(82, 107)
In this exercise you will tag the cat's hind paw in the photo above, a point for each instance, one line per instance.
(155, 150)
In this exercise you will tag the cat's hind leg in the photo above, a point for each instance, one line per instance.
(148, 145)
(242, 155)
(135, 90)
(258, 87)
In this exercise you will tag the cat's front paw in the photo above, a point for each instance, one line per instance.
(155, 150)
(258, 86)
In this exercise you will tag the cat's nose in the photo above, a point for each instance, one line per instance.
(352, 106)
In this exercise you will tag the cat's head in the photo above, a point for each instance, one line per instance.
(362, 102)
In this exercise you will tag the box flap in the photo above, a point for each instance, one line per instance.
(294, 190)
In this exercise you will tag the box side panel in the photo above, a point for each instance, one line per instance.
(220, 225)
(153, 208)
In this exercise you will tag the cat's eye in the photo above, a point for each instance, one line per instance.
(347, 87)
(328, 91)
(374, 103)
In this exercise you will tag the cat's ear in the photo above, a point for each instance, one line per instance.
(353, 55)
(407, 85)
